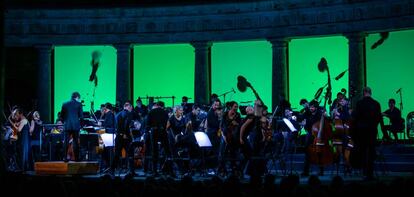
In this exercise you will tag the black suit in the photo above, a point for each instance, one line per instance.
(123, 138)
(71, 115)
(367, 116)
(156, 123)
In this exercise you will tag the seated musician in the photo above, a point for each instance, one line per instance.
(396, 121)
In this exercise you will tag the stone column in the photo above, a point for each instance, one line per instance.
(280, 84)
(357, 68)
(2, 65)
(44, 77)
(123, 73)
(202, 81)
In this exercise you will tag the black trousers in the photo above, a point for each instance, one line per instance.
(75, 143)
(158, 135)
(120, 143)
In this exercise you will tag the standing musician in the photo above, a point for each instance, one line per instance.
(257, 164)
(71, 114)
(156, 124)
(247, 127)
(35, 134)
(186, 106)
(193, 117)
(109, 120)
(229, 144)
(289, 128)
(314, 115)
(23, 142)
(140, 110)
(123, 138)
(109, 125)
(341, 138)
(180, 138)
(214, 117)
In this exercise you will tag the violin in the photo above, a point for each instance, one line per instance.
(13, 126)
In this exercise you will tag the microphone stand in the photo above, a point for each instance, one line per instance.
(401, 106)
(224, 95)
(401, 101)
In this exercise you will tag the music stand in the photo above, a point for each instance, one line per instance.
(88, 140)
(204, 143)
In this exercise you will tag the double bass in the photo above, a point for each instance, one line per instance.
(320, 151)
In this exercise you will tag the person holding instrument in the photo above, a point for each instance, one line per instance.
(315, 113)
(256, 167)
(396, 121)
(22, 145)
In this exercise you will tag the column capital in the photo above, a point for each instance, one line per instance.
(279, 41)
(123, 47)
(355, 36)
(200, 45)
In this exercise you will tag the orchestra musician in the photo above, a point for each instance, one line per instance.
(109, 125)
(214, 116)
(193, 117)
(35, 134)
(247, 127)
(396, 121)
(71, 114)
(257, 164)
(109, 118)
(229, 144)
(180, 138)
(186, 106)
(21, 125)
(123, 138)
(140, 110)
(156, 125)
(314, 115)
(341, 139)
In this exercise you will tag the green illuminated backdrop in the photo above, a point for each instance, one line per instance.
(304, 76)
(72, 71)
(251, 59)
(389, 67)
(164, 70)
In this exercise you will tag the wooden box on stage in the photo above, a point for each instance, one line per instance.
(70, 168)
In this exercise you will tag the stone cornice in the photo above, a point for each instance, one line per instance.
(240, 21)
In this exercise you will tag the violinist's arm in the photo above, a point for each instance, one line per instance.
(32, 125)
(21, 125)
(243, 129)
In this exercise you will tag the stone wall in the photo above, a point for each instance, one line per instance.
(213, 22)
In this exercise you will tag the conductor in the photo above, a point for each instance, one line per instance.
(71, 115)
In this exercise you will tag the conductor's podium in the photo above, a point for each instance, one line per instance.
(67, 168)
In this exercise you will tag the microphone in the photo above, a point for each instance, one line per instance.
(398, 91)
(233, 90)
